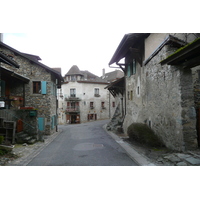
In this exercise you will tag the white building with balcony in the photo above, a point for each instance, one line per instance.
(83, 98)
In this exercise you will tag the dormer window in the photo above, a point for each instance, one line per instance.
(73, 78)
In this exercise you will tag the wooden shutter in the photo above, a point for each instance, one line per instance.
(44, 87)
(41, 123)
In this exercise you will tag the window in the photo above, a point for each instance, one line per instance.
(73, 78)
(113, 104)
(96, 92)
(138, 90)
(131, 68)
(131, 97)
(36, 87)
(103, 104)
(39, 87)
(73, 92)
(54, 89)
(91, 105)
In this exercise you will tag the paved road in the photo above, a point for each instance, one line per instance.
(84, 144)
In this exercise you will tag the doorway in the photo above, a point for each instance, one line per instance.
(92, 117)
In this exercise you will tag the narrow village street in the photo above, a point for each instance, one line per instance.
(84, 144)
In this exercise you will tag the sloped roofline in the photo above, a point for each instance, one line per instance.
(27, 56)
(127, 41)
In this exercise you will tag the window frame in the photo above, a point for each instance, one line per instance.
(37, 87)
(72, 92)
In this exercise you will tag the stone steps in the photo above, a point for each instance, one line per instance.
(25, 138)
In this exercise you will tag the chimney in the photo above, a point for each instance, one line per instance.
(103, 72)
(1, 37)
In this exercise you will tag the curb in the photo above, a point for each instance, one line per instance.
(25, 160)
(132, 153)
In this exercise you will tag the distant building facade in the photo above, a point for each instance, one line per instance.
(83, 97)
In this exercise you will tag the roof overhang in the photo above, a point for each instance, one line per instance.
(32, 58)
(128, 41)
(187, 56)
(173, 41)
(14, 74)
(116, 87)
(5, 59)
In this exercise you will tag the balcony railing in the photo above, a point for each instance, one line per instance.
(72, 98)
(73, 109)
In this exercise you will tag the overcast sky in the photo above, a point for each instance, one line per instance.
(83, 33)
(88, 50)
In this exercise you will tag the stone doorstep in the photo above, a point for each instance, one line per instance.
(193, 160)
(182, 164)
(173, 158)
(183, 156)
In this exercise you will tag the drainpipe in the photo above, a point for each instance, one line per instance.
(24, 95)
(109, 107)
(120, 66)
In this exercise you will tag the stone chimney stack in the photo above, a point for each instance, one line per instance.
(103, 72)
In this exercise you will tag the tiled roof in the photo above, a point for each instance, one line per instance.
(112, 76)
(74, 70)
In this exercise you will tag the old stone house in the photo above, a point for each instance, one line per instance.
(157, 93)
(30, 86)
(84, 97)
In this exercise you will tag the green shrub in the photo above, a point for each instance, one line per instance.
(1, 139)
(3, 152)
(143, 134)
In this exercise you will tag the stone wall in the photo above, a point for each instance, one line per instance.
(44, 103)
(163, 98)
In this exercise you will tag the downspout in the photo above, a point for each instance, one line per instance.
(120, 66)
(109, 107)
(24, 96)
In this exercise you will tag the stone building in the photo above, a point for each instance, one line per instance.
(31, 86)
(83, 97)
(157, 93)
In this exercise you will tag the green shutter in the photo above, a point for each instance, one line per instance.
(41, 123)
(128, 70)
(44, 87)
(134, 67)
(52, 122)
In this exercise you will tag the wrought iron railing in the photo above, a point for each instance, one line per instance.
(73, 109)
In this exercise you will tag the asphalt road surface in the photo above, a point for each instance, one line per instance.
(86, 144)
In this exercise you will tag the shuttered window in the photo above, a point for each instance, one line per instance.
(131, 68)
(39, 87)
